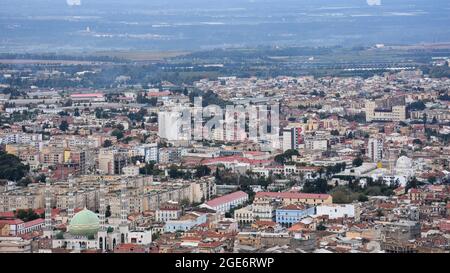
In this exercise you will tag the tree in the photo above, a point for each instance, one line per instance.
(11, 168)
(321, 227)
(185, 203)
(335, 133)
(155, 236)
(41, 178)
(107, 143)
(26, 215)
(363, 198)
(434, 120)
(108, 211)
(280, 159)
(64, 126)
(174, 173)
(117, 133)
(411, 184)
(357, 161)
(317, 186)
(24, 182)
(424, 119)
(287, 155)
(432, 180)
(417, 141)
(149, 169)
(201, 171)
(217, 174)
(417, 106)
(380, 213)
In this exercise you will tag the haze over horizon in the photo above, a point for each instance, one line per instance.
(176, 25)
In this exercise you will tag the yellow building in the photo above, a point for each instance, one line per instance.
(4, 230)
(289, 198)
(67, 153)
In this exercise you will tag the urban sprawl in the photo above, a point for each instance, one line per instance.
(345, 164)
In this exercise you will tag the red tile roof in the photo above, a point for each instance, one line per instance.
(226, 198)
(265, 223)
(55, 212)
(129, 248)
(7, 214)
(293, 207)
(12, 221)
(34, 222)
(159, 94)
(89, 95)
(210, 244)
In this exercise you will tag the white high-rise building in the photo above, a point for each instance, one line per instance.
(288, 140)
(292, 138)
(150, 152)
(173, 126)
(375, 149)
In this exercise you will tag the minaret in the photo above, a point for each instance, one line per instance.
(102, 205)
(102, 233)
(48, 229)
(123, 227)
(71, 205)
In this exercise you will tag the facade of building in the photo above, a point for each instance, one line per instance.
(334, 211)
(130, 171)
(227, 202)
(394, 113)
(288, 198)
(291, 214)
(375, 149)
(13, 244)
(186, 222)
(168, 211)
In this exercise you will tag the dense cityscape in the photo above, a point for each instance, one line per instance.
(232, 127)
(352, 165)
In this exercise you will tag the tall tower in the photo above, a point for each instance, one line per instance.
(102, 233)
(71, 205)
(48, 228)
(123, 227)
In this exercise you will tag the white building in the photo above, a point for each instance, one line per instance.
(130, 171)
(339, 211)
(173, 126)
(244, 215)
(150, 152)
(227, 202)
(12, 244)
(169, 211)
(373, 113)
(316, 144)
(375, 149)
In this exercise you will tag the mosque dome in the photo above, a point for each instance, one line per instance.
(404, 162)
(84, 223)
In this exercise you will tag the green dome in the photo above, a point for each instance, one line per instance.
(84, 223)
